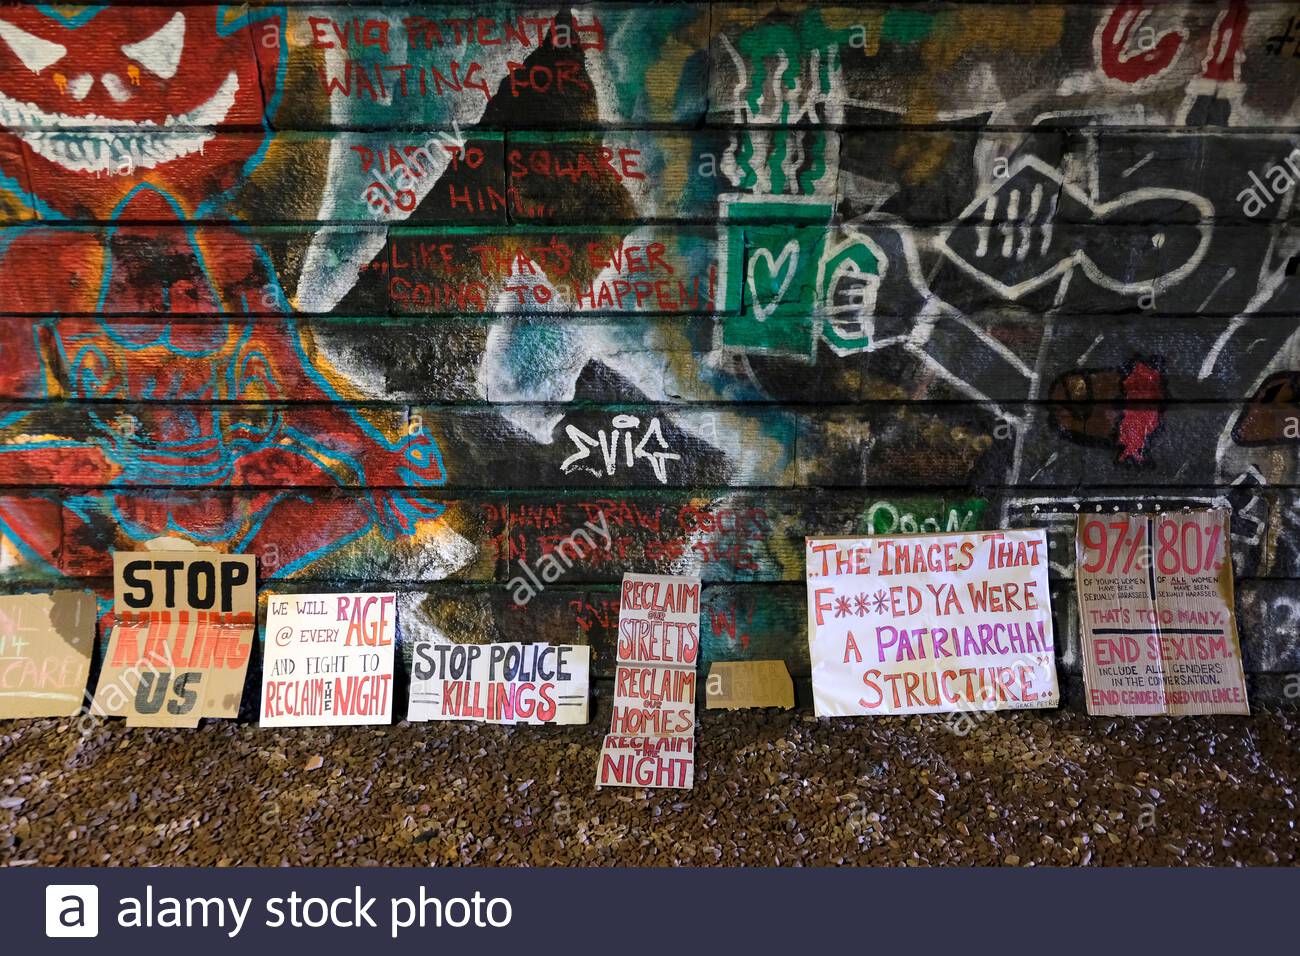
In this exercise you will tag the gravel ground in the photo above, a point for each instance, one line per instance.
(770, 788)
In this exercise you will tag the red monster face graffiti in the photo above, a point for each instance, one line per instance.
(103, 99)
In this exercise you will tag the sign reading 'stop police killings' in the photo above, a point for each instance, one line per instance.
(507, 683)
(916, 624)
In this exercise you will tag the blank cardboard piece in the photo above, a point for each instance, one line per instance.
(739, 685)
(45, 645)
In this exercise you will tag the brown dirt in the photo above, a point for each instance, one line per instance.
(1043, 788)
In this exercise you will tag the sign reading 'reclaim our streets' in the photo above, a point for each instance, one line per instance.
(1155, 601)
(651, 739)
(328, 659)
(500, 683)
(915, 624)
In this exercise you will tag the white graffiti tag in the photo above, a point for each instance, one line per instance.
(622, 437)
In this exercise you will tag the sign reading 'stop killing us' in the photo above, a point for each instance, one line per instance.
(915, 624)
(181, 639)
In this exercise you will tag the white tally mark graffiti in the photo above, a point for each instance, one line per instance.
(1033, 252)
(804, 86)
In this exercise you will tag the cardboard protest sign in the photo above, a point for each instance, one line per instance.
(182, 636)
(328, 659)
(928, 623)
(45, 645)
(734, 685)
(651, 739)
(1156, 605)
(500, 683)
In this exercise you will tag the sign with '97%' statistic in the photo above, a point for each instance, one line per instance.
(328, 659)
(1156, 606)
(915, 624)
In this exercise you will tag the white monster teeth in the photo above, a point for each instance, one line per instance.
(213, 111)
(103, 152)
(96, 144)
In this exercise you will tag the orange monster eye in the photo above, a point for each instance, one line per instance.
(133, 74)
(61, 82)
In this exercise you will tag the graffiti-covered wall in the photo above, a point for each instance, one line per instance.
(496, 302)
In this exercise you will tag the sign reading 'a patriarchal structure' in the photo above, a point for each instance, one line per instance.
(1156, 604)
(915, 624)
(651, 739)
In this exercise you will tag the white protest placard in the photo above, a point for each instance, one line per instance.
(651, 739)
(664, 762)
(928, 623)
(1155, 596)
(500, 683)
(328, 659)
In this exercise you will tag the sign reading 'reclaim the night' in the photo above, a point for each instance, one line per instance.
(651, 739)
(328, 659)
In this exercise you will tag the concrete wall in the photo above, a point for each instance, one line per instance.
(402, 296)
